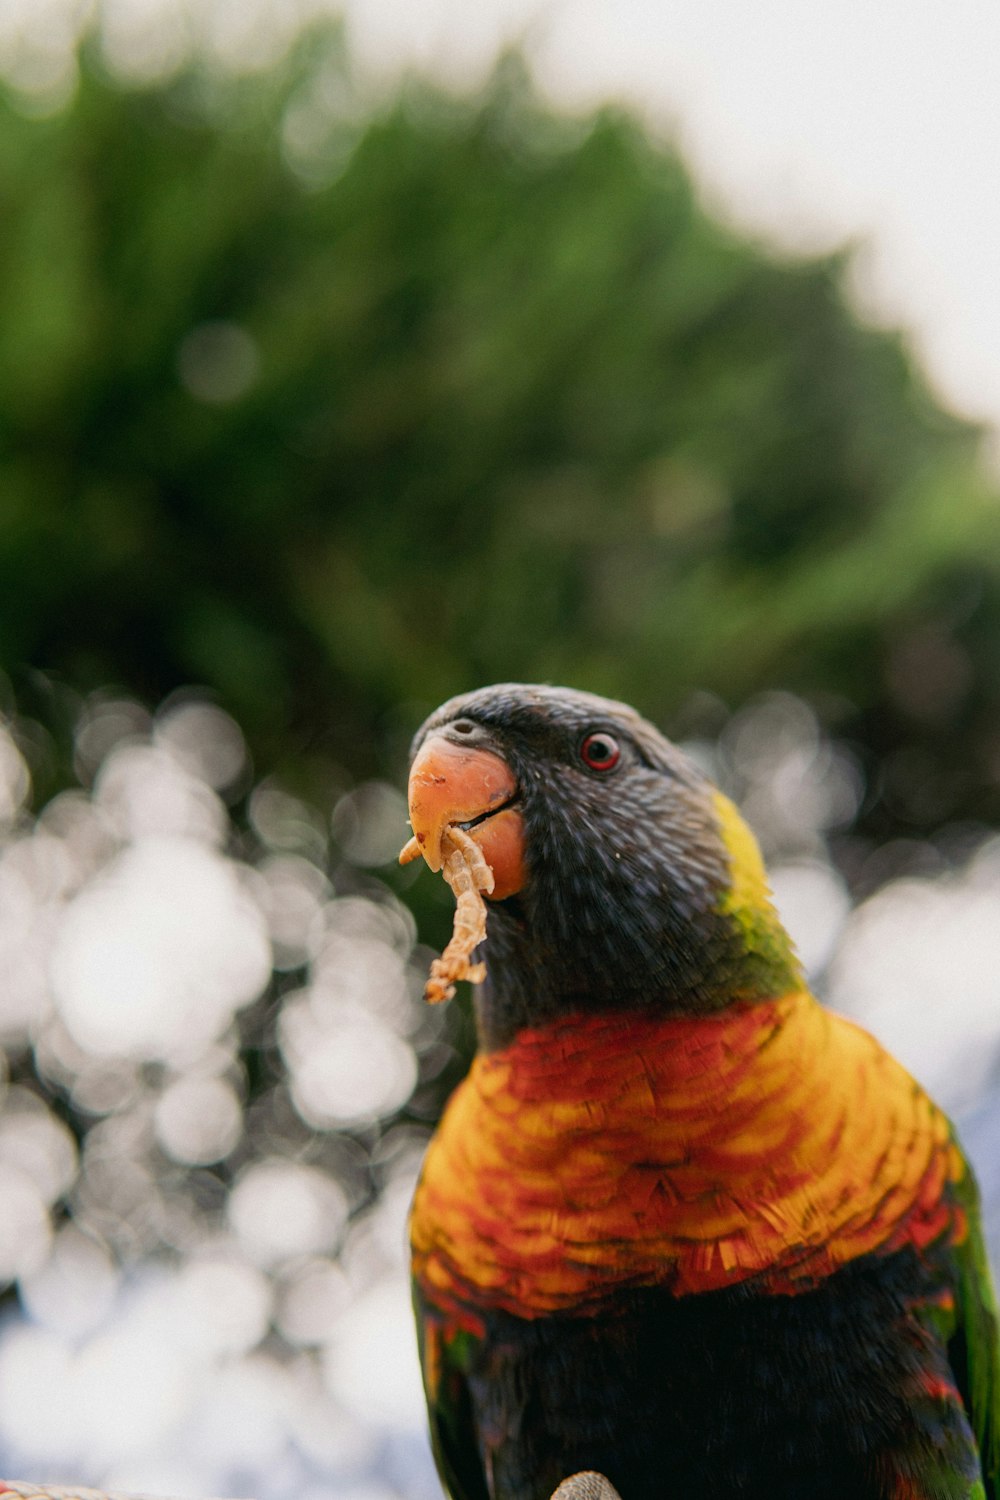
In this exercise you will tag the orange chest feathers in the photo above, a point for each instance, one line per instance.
(776, 1141)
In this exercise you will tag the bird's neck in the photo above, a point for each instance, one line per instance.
(637, 935)
(611, 976)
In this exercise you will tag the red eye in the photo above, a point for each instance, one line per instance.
(600, 752)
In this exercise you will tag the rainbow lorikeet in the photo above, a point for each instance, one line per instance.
(680, 1224)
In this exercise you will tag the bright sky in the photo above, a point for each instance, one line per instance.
(817, 121)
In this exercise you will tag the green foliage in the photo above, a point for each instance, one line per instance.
(460, 391)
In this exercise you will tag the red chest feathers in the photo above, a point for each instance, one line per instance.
(775, 1141)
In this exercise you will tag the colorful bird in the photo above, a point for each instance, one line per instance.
(680, 1224)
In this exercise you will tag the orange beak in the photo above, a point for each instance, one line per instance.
(452, 784)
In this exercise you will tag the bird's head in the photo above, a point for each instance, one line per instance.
(623, 878)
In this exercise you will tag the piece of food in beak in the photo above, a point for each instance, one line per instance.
(464, 826)
(468, 875)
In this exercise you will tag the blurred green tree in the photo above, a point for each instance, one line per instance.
(340, 408)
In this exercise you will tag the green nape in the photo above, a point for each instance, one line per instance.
(773, 965)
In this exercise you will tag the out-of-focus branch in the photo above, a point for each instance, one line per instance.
(30, 1491)
(585, 1486)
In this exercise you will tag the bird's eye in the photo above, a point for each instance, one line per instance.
(601, 752)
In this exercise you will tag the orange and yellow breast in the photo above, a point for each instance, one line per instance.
(775, 1141)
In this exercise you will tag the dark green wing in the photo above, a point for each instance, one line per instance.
(974, 1351)
(454, 1436)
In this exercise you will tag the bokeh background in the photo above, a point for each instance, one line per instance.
(328, 390)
